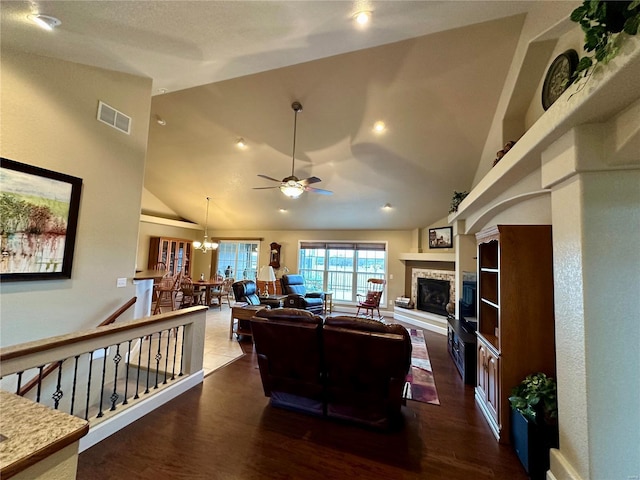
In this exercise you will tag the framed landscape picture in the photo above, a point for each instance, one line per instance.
(441, 237)
(38, 221)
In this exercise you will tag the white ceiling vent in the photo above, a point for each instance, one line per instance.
(114, 118)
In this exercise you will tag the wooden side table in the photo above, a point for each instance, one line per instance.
(328, 302)
(274, 301)
(243, 314)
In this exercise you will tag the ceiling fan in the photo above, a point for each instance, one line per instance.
(292, 186)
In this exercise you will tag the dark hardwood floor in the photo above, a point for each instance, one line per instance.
(224, 429)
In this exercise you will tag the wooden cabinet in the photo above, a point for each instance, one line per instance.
(175, 253)
(516, 331)
(462, 348)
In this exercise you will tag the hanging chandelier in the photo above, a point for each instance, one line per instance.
(205, 245)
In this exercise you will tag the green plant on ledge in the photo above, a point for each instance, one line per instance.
(536, 398)
(602, 21)
(455, 201)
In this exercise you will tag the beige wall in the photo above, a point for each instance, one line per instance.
(399, 241)
(49, 112)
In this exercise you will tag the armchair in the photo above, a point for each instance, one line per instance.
(298, 297)
(246, 291)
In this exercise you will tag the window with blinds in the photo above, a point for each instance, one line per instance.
(342, 267)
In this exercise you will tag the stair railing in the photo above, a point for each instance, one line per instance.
(49, 369)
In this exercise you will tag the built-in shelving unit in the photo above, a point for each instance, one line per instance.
(516, 332)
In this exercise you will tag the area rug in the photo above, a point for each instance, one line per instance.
(421, 385)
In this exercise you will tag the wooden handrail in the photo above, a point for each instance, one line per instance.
(112, 318)
(27, 387)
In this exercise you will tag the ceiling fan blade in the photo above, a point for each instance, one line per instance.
(318, 190)
(263, 188)
(307, 181)
(270, 178)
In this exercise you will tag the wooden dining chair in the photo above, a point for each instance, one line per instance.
(167, 292)
(190, 296)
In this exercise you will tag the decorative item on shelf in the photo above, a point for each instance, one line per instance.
(451, 310)
(602, 24)
(502, 153)
(205, 245)
(274, 258)
(267, 275)
(403, 302)
(558, 77)
(455, 201)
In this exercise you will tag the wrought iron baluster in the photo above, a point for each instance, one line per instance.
(126, 379)
(104, 373)
(86, 411)
(158, 357)
(166, 358)
(75, 381)
(114, 396)
(19, 382)
(148, 363)
(182, 353)
(175, 352)
(40, 368)
(137, 396)
(57, 395)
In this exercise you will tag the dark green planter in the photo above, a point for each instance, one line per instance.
(532, 443)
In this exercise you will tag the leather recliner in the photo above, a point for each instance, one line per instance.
(347, 368)
(297, 296)
(246, 291)
(287, 343)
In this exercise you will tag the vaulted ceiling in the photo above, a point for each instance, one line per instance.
(431, 71)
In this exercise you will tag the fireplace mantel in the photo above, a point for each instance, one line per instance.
(429, 257)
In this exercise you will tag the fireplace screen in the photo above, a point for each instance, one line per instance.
(433, 295)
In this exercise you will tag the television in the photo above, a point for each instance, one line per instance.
(468, 300)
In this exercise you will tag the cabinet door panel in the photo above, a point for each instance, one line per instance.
(482, 370)
(493, 385)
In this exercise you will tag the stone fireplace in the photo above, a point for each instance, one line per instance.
(431, 290)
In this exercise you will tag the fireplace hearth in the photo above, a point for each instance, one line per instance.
(433, 295)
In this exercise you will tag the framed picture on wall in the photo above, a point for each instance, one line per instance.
(441, 237)
(38, 220)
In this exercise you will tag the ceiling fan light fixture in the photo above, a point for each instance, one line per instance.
(362, 17)
(292, 189)
(46, 22)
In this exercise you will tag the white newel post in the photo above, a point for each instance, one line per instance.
(595, 205)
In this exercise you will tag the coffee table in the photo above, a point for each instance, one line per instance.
(243, 314)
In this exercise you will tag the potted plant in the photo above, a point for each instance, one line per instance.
(534, 422)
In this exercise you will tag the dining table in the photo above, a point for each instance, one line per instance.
(208, 286)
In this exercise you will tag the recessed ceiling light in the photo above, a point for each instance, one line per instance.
(363, 17)
(386, 206)
(241, 143)
(162, 91)
(46, 22)
(379, 127)
(160, 120)
(282, 210)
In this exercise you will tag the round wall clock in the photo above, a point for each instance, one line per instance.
(558, 77)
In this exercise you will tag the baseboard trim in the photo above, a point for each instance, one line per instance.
(129, 415)
(560, 468)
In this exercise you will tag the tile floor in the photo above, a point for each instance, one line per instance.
(219, 350)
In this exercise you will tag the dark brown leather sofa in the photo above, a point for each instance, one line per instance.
(346, 368)
(297, 296)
